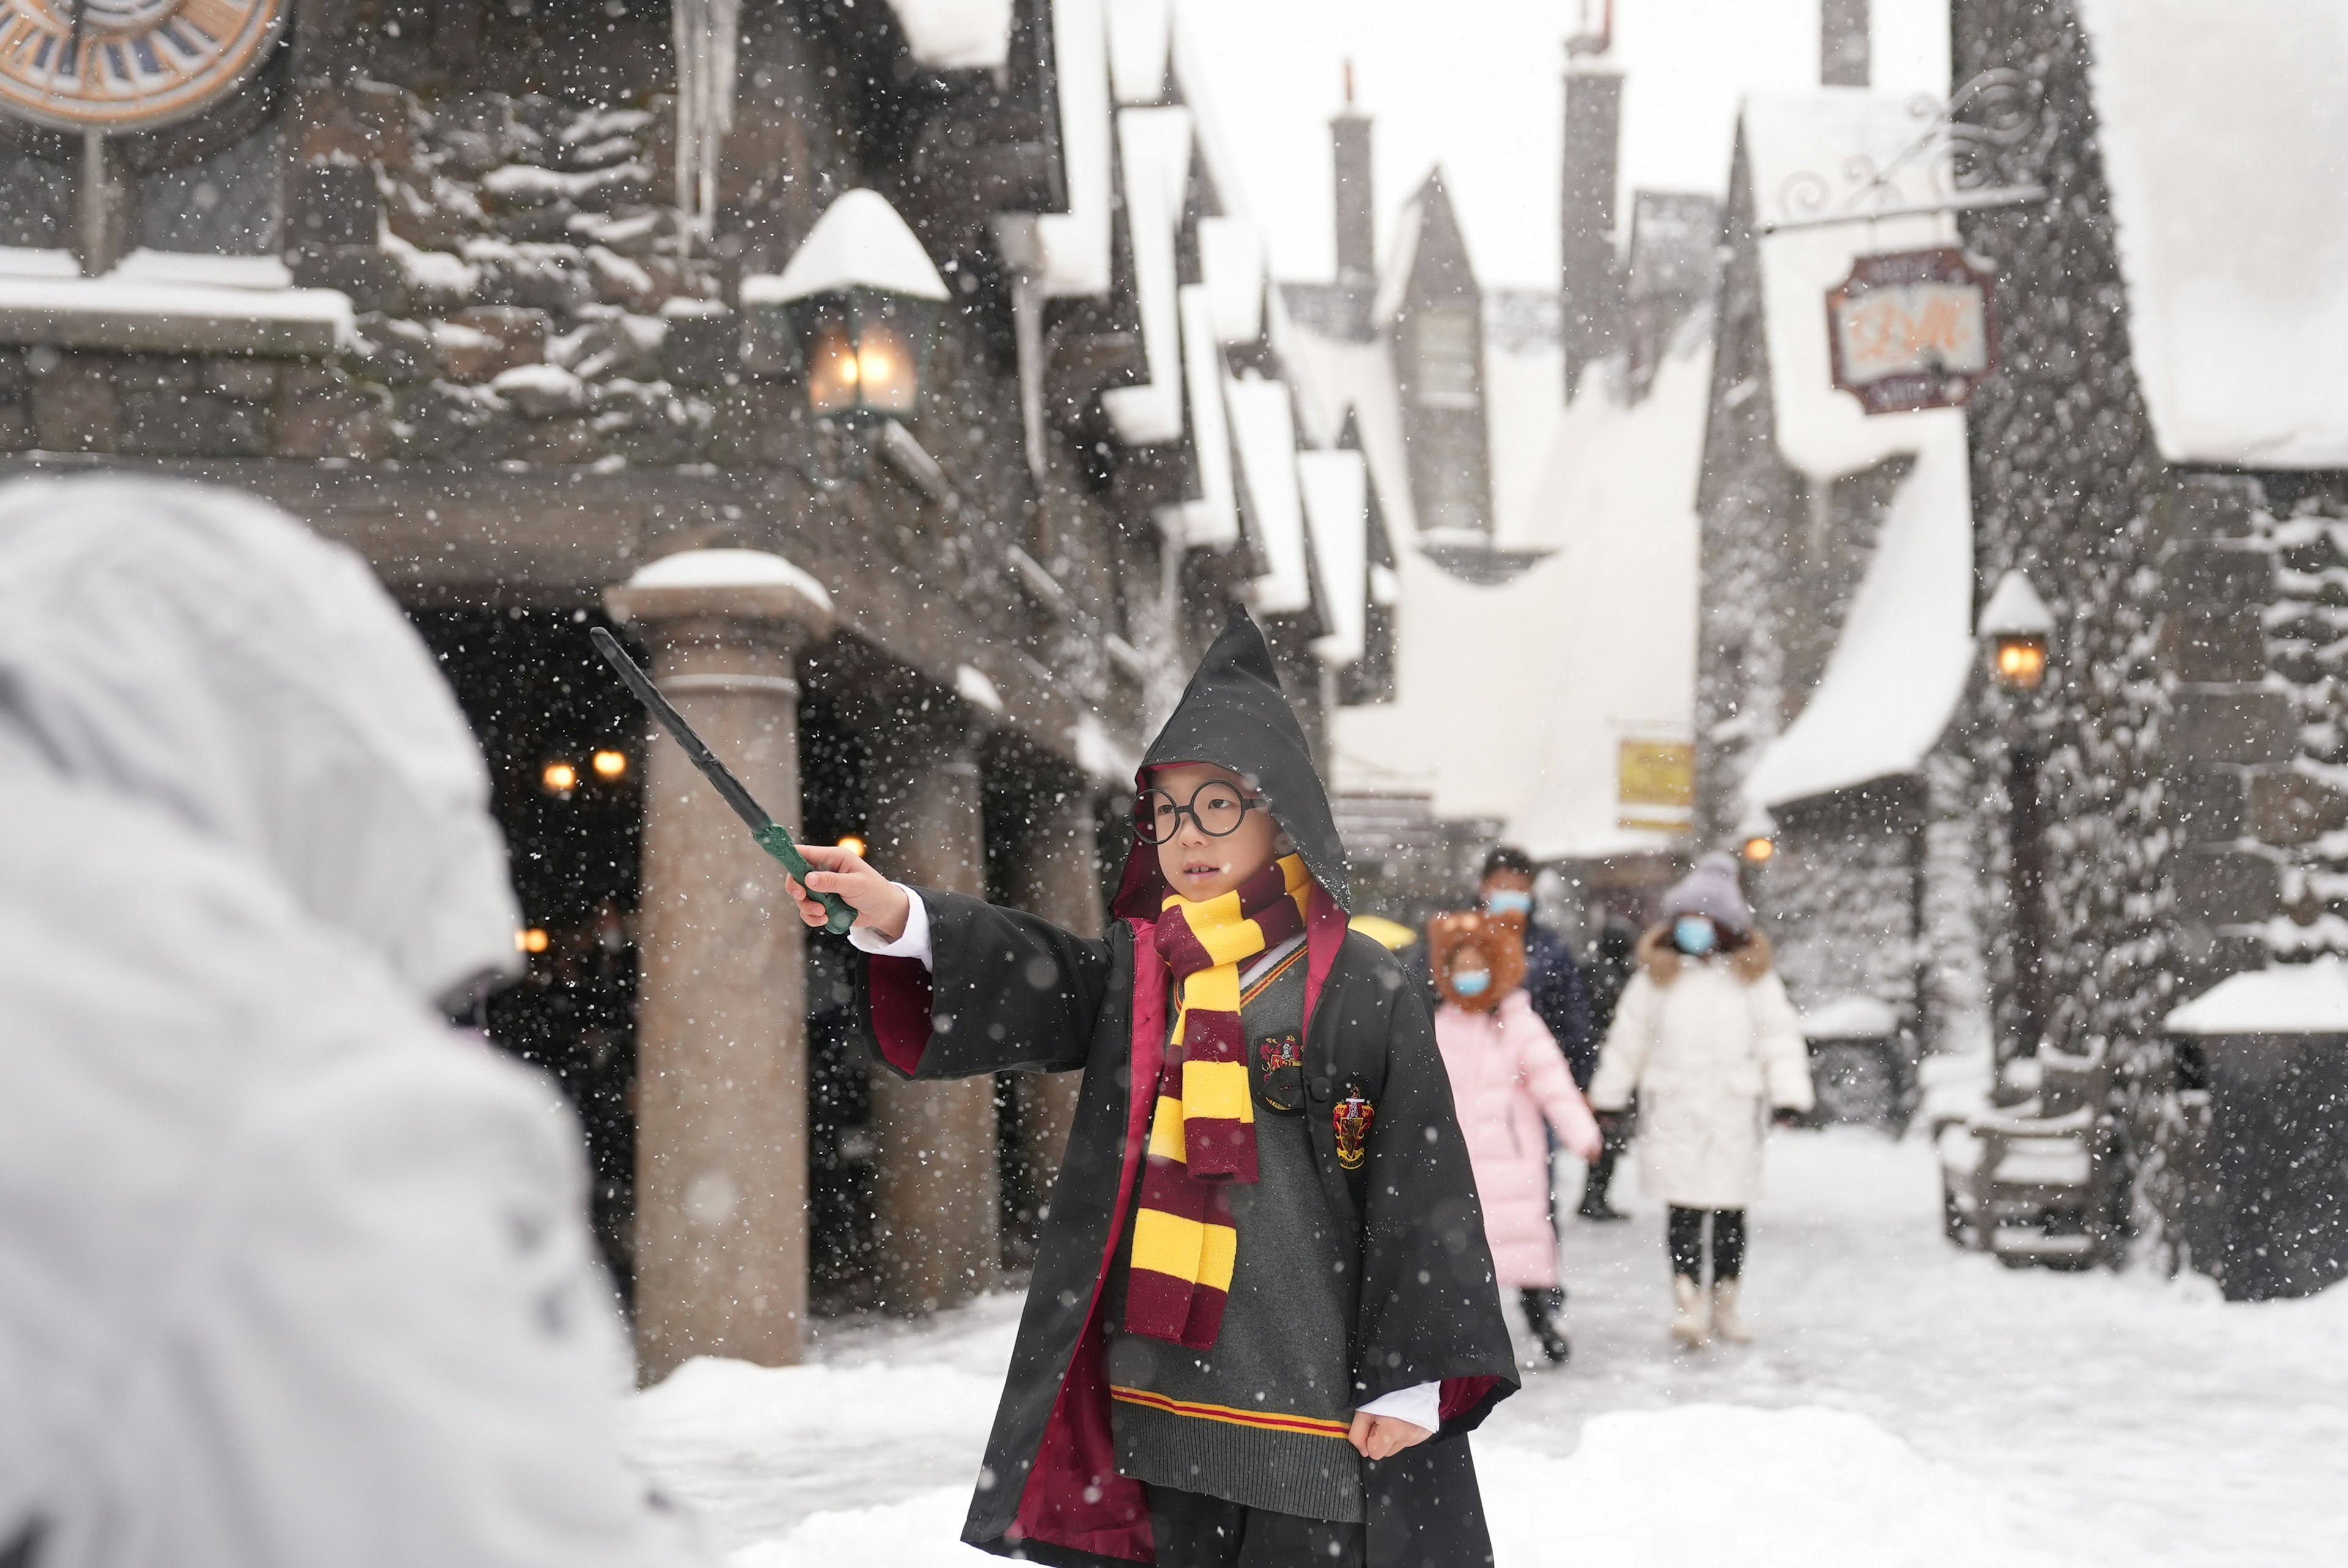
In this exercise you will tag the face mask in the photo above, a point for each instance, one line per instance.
(1693, 935)
(1509, 903)
(1470, 982)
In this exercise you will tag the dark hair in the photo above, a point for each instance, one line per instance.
(1509, 857)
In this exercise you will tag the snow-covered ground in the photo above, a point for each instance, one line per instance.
(1906, 1405)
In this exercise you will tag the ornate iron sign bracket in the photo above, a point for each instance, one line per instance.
(1980, 149)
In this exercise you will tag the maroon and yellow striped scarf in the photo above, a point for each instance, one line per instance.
(1202, 1134)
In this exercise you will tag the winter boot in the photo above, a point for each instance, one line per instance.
(1724, 1319)
(1693, 1326)
(1545, 1311)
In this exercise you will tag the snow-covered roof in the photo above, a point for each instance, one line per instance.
(1795, 146)
(2223, 141)
(858, 242)
(971, 686)
(1231, 262)
(1212, 521)
(956, 35)
(1336, 490)
(1067, 253)
(1596, 642)
(1899, 667)
(1156, 144)
(1358, 379)
(2284, 999)
(1264, 431)
(1138, 38)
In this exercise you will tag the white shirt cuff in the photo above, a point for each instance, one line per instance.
(913, 944)
(1421, 1406)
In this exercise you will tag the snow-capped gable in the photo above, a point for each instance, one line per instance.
(956, 35)
(1139, 36)
(1067, 253)
(858, 242)
(1156, 144)
(1264, 430)
(1336, 490)
(2224, 136)
(1899, 667)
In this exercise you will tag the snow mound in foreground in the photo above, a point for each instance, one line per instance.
(1805, 1488)
(922, 1531)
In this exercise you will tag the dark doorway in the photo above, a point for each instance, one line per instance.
(841, 1267)
(564, 742)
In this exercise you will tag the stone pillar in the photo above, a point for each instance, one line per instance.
(2230, 732)
(1057, 875)
(721, 1034)
(939, 1226)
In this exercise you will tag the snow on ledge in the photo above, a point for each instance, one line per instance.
(858, 242)
(971, 686)
(956, 35)
(131, 314)
(728, 568)
(2286, 999)
(1264, 432)
(1851, 1017)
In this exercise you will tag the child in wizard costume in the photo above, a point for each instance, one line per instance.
(1264, 1315)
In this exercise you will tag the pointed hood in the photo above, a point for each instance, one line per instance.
(1234, 715)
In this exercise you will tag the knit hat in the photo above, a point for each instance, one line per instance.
(1712, 890)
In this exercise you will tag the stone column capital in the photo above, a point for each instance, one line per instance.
(722, 590)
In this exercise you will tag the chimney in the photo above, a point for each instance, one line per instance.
(1590, 280)
(1357, 224)
(1842, 42)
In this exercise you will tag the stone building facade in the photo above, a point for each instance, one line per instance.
(461, 285)
(2189, 741)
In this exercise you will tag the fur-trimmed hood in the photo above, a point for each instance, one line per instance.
(1749, 961)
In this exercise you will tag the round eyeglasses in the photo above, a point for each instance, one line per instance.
(1216, 807)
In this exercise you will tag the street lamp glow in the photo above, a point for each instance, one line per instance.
(558, 777)
(854, 845)
(532, 940)
(610, 765)
(2019, 630)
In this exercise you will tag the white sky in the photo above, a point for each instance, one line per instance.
(1478, 86)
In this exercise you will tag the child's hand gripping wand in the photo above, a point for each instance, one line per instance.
(772, 835)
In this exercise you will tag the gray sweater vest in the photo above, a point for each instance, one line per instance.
(1260, 1418)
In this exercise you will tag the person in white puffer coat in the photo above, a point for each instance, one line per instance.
(1707, 1038)
(293, 1273)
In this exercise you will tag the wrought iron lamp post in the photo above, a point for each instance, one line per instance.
(2017, 632)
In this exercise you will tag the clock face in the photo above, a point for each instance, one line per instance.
(126, 65)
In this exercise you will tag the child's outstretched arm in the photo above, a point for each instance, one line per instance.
(952, 987)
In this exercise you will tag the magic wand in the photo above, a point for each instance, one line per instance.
(772, 835)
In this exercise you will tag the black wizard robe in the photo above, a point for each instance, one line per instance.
(1007, 991)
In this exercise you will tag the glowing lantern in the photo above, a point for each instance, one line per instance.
(859, 301)
(558, 777)
(608, 765)
(2018, 628)
(854, 845)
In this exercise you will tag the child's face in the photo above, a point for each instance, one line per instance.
(1197, 865)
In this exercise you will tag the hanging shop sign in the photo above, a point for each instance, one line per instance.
(1655, 784)
(1912, 329)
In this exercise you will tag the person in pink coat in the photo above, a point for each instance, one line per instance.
(1508, 1075)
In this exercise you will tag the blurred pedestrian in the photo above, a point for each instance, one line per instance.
(1615, 961)
(1706, 1037)
(1553, 981)
(1511, 1087)
(293, 1273)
